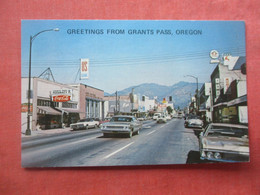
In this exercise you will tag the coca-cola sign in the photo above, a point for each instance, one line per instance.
(61, 98)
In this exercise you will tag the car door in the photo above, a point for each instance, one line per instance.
(91, 123)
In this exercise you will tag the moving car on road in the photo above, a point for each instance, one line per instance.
(85, 124)
(224, 143)
(122, 124)
(156, 115)
(161, 119)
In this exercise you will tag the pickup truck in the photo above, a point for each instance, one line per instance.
(85, 124)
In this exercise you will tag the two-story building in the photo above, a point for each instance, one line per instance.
(229, 92)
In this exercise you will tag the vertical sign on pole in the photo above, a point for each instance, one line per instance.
(84, 68)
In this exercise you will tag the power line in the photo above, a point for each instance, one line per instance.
(239, 50)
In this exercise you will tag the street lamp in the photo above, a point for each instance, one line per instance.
(28, 130)
(197, 92)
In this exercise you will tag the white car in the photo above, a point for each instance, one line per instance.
(161, 119)
(156, 115)
(193, 122)
(85, 124)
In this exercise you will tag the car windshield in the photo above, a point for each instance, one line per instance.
(121, 119)
(227, 131)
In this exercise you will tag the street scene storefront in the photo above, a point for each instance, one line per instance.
(52, 104)
(56, 105)
(229, 92)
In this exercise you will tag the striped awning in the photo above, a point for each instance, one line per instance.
(238, 100)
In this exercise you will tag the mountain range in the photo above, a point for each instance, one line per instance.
(181, 92)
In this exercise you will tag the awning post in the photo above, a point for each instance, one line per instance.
(62, 112)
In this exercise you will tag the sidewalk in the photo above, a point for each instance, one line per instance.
(47, 132)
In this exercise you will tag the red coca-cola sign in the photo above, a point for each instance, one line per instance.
(61, 98)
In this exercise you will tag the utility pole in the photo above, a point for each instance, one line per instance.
(132, 99)
(197, 91)
(116, 103)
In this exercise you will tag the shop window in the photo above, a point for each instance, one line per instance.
(69, 105)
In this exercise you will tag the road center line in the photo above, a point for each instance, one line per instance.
(151, 132)
(118, 150)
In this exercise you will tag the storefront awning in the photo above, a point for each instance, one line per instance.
(220, 104)
(237, 101)
(69, 110)
(47, 110)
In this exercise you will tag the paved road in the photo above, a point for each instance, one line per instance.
(167, 143)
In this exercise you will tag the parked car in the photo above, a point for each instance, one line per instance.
(85, 124)
(122, 124)
(193, 122)
(102, 121)
(224, 143)
(161, 119)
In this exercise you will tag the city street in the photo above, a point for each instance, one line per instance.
(166, 143)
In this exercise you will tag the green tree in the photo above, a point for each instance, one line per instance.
(169, 109)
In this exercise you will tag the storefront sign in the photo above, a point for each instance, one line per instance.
(214, 54)
(84, 71)
(24, 107)
(61, 98)
(227, 82)
(214, 61)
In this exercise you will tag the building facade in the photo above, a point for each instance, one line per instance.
(91, 101)
(45, 111)
(229, 94)
(55, 105)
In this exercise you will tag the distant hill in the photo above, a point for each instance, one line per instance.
(180, 92)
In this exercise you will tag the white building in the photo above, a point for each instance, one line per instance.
(45, 110)
(145, 104)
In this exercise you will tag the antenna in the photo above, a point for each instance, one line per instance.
(77, 75)
(47, 75)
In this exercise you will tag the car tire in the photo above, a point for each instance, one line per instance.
(137, 132)
(96, 126)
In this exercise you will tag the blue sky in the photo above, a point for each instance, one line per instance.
(118, 61)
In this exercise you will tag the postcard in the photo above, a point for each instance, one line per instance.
(133, 92)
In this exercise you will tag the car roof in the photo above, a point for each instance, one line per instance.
(230, 125)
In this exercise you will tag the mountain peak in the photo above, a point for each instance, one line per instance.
(180, 91)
